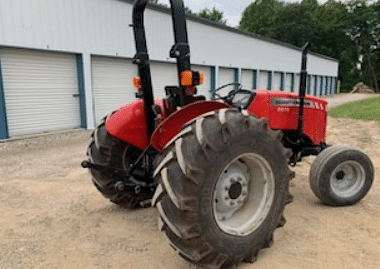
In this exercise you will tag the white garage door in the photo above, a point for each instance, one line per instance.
(247, 79)
(288, 83)
(276, 85)
(263, 79)
(297, 83)
(41, 91)
(226, 76)
(163, 74)
(111, 84)
(312, 85)
(205, 88)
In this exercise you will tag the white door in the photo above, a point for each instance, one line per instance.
(205, 88)
(288, 82)
(226, 76)
(297, 83)
(276, 85)
(111, 84)
(163, 74)
(247, 79)
(263, 79)
(41, 91)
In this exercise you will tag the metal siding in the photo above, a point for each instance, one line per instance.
(213, 81)
(308, 84)
(334, 86)
(39, 91)
(205, 88)
(82, 95)
(321, 93)
(315, 85)
(112, 84)
(254, 79)
(246, 79)
(3, 113)
(282, 81)
(331, 81)
(101, 27)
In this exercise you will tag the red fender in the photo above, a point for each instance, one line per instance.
(128, 124)
(172, 125)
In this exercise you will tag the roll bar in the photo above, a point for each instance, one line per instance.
(302, 89)
(180, 50)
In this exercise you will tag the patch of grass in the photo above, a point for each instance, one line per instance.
(368, 109)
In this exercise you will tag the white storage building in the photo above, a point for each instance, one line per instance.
(64, 64)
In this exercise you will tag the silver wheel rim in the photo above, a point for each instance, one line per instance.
(243, 194)
(347, 179)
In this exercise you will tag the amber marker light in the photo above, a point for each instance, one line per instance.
(187, 78)
(201, 78)
(190, 78)
(137, 83)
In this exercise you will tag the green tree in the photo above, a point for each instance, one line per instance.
(363, 30)
(213, 15)
(261, 17)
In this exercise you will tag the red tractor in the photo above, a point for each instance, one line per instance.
(217, 170)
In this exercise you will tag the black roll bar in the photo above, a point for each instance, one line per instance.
(180, 51)
(302, 89)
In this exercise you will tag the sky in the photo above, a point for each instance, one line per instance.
(232, 10)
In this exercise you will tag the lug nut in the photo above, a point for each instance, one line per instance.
(119, 186)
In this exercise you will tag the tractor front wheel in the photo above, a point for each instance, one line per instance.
(223, 186)
(341, 175)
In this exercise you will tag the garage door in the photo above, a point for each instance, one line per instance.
(288, 82)
(247, 79)
(205, 88)
(111, 84)
(163, 74)
(41, 91)
(297, 83)
(226, 76)
(263, 79)
(276, 85)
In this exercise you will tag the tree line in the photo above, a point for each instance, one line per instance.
(348, 31)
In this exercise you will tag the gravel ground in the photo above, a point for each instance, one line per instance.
(338, 99)
(53, 217)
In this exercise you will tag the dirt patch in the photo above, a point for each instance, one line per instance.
(53, 217)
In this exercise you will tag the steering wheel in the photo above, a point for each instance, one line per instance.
(228, 98)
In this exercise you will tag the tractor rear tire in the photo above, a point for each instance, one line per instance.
(223, 187)
(341, 175)
(109, 151)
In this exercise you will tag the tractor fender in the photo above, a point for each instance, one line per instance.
(129, 123)
(173, 124)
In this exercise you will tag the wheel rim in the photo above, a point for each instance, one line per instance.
(244, 194)
(347, 179)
